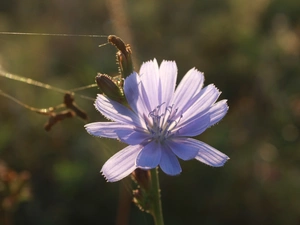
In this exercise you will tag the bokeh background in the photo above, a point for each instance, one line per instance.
(248, 49)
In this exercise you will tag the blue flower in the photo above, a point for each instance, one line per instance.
(160, 121)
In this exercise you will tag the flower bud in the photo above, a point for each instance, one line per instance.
(123, 55)
(142, 200)
(142, 178)
(109, 88)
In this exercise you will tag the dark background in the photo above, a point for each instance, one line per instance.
(248, 49)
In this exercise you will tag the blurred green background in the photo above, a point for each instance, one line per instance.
(248, 49)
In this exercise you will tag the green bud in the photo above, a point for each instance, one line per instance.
(109, 87)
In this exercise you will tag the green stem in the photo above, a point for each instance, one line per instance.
(156, 210)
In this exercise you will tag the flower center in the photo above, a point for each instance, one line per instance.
(161, 122)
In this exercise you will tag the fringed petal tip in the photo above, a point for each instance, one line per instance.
(101, 172)
(209, 155)
(150, 62)
(221, 163)
(106, 178)
(215, 90)
(89, 130)
(171, 62)
(95, 129)
(224, 102)
(217, 163)
(218, 111)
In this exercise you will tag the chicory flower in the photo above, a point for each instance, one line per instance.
(160, 121)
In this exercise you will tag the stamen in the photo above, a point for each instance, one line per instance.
(160, 124)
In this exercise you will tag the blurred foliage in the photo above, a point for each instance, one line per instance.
(249, 49)
(14, 190)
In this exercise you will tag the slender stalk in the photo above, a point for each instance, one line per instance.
(156, 210)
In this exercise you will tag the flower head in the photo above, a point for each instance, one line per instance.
(160, 121)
